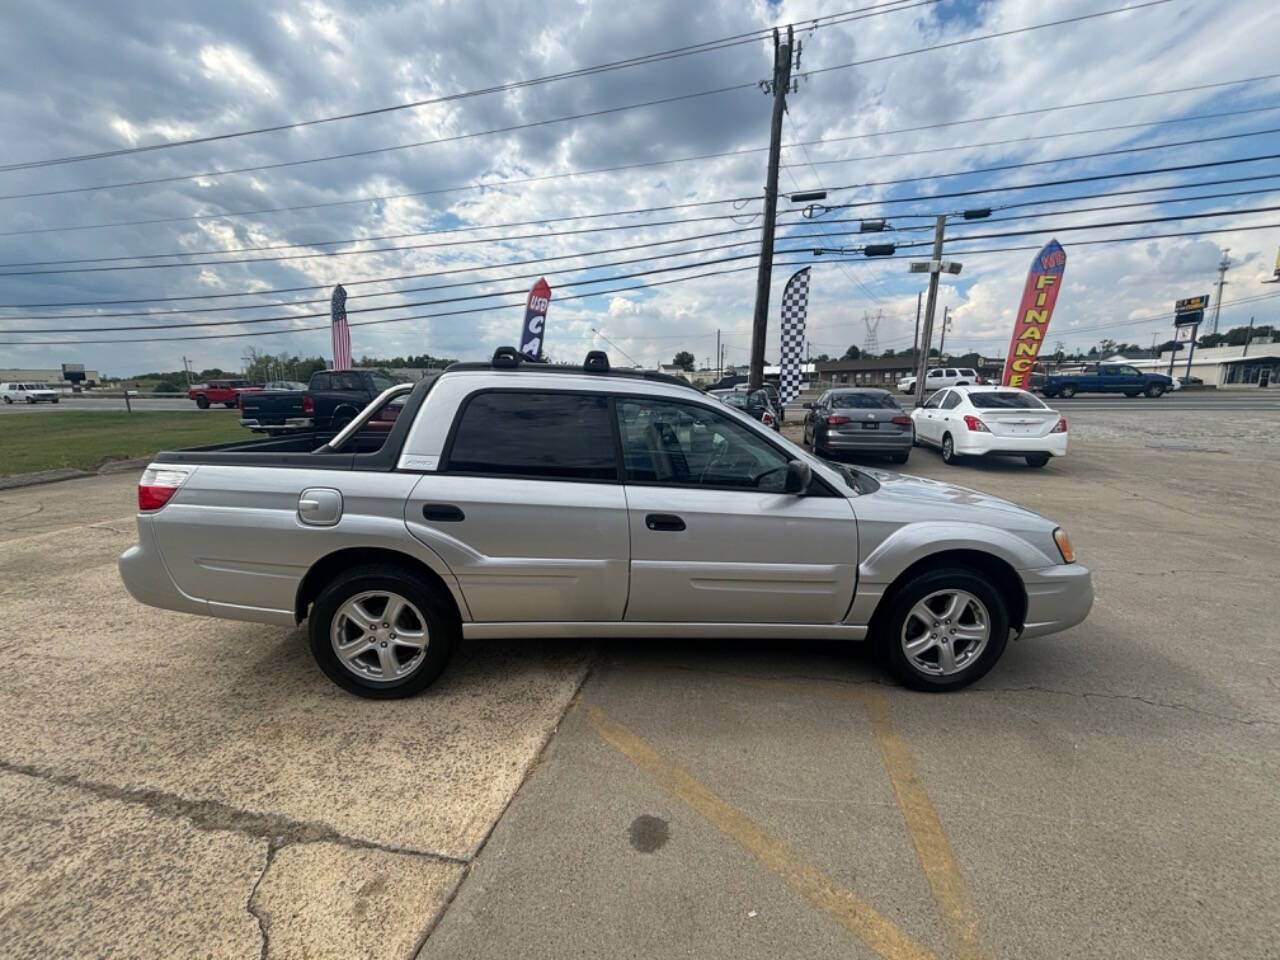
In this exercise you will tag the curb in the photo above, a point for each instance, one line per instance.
(20, 480)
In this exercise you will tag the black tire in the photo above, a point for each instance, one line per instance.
(202, 402)
(949, 455)
(1154, 390)
(1066, 391)
(55, 399)
(1050, 394)
(915, 439)
(1037, 459)
(438, 612)
(230, 405)
(1132, 393)
(900, 457)
(31, 400)
(8, 399)
(888, 628)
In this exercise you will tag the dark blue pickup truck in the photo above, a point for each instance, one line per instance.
(1105, 378)
(330, 402)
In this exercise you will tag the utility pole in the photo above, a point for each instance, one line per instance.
(931, 303)
(186, 365)
(1247, 337)
(915, 343)
(717, 353)
(943, 342)
(1222, 282)
(760, 320)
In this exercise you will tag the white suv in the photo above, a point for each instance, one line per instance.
(940, 377)
(30, 392)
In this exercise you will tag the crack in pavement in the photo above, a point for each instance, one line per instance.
(255, 911)
(1085, 694)
(278, 829)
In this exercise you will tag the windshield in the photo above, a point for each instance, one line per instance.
(863, 401)
(1005, 400)
(381, 382)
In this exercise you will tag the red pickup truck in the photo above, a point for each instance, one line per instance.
(225, 392)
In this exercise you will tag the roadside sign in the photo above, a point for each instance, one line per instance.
(1190, 310)
(1184, 333)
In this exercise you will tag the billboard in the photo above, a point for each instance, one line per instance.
(1031, 324)
(1190, 310)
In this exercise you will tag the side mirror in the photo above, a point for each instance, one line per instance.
(798, 476)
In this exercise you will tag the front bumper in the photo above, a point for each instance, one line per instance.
(1058, 598)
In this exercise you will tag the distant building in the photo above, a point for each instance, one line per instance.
(1226, 367)
(52, 377)
(887, 371)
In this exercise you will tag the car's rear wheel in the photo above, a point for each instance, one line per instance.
(202, 402)
(943, 630)
(1066, 391)
(229, 405)
(949, 454)
(901, 457)
(380, 632)
(1132, 393)
(1037, 459)
(1154, 390)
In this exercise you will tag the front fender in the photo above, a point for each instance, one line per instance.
(915, 541)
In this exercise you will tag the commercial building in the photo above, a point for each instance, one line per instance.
(52, 377)
(885, 372)
(1224, 367)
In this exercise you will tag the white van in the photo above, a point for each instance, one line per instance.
(939, 377)
(30, 392)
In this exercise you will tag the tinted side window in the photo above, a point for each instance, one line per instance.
(561, 436)
(689, 445)
(952, 401)
(321, 381)
(935, 400)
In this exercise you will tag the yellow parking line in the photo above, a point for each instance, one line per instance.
(857, 916)
(933, 849)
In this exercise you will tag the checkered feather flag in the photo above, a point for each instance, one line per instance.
(338, 326)
(795, 304)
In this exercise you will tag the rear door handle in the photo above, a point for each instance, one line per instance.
(663, 521)
(442, 512)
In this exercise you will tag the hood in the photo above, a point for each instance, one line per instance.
(938, 500)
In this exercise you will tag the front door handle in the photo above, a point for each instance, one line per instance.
(663, 521)
(442, 512)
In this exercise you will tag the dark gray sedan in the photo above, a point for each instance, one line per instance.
(858, 420)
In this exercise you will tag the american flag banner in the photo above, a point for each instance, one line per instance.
(341, 332)
(795, 305)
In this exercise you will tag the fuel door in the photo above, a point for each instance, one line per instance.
(320, 506)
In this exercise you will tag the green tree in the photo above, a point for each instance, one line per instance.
(853, 353)
(684, 360)
(888, 352)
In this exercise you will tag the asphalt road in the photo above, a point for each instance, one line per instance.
(172, 785)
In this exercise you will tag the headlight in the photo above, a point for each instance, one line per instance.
(1064, 545)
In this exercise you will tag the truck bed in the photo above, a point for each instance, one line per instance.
(369, 449)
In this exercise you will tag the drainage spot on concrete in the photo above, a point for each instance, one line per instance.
(648, 833)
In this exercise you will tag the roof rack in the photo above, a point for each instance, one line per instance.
(597, 362)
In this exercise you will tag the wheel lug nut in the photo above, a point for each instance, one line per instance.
(385, 625)
(384, 643)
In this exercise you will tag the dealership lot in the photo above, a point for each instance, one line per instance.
(174, 785)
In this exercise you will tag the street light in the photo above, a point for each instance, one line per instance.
(807, 197)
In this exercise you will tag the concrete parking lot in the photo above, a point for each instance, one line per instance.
(177, 786)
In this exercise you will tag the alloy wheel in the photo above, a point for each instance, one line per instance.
(379, 636)
(945, 632)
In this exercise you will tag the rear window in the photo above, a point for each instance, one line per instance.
(559, 436)
(1005, 400)
(863, 401)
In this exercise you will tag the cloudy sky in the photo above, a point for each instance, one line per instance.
(81, 78)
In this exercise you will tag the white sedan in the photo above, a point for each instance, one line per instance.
(990, 421)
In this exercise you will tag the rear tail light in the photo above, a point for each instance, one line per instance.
(974, 424)
(981, 381)
(767, 419)
(836, 420)
(308, 403)
(1060, 426)
(901, 421)
(158, 485)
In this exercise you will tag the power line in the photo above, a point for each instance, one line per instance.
(1061, 228)
(650, 163)
(538, 123)
(802, 145)
(688, 50)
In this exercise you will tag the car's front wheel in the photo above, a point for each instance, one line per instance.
(943, 630)
(202, 402)
(1067, 392)
(380, 632)
(1154, 390)
(8, 399)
